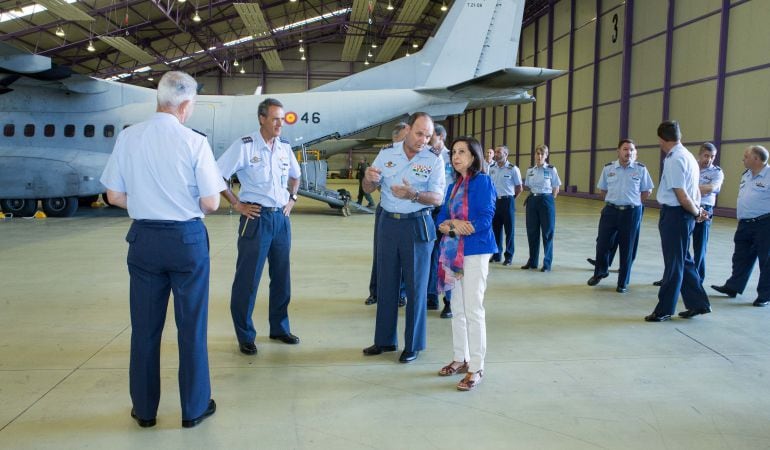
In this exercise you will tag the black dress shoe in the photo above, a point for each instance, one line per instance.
(286, 338)
(724, 290)
(594, 280)
(144, 423)
(371, 300)
(248, 348)
(494, 260)
(545, 269)
(408, 356)
(694, 312)
(759, 302)
(378, 349)
(432, 302)
(446, 313)
(656, 318)
(402, 302)
(527, 267)
(657, 283)
(621, 289)
(507, 262)
(207, 413)
(591, 261)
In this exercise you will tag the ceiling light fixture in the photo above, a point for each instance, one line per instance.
(181, 1)
(243, 70)
(415, 44)
(60, 31)
(91, 47)
(236, 63)
(302, 58)
(407, 53)
(443, 6)
(301, 48)
(366, 63)
(150, 79)
(369, 55)
(196, 17)
(374, 45)
(390, 6)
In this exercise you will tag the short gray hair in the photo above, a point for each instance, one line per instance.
(760, 152)
(265, 105)
(505, 149)
(440, 131)
(397, 129)
(175, 88)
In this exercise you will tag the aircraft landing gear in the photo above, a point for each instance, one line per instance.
(60, 206)
(19, 207)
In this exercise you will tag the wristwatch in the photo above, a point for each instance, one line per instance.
(416, 197)
(294, 197)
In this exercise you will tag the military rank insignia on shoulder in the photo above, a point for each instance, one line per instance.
(199, 132)
(609, 164)
(385, 147)
(283, 139)
(640, 164)
(549, 166)
(247, 140)
(717, 167)
(435, 151)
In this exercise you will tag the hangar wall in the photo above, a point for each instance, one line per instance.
(630, 65)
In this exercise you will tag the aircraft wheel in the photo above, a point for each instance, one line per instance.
(345, 211)
(60, 206)
(19, 207)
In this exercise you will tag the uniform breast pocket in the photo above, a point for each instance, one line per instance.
(260, 172)
(760, 187)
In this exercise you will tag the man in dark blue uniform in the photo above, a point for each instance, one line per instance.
(679, 197)
(165, 175)
(624, 184)
(411, 178)
(269, 175)
(752, 238)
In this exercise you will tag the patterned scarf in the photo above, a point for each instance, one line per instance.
(450, 262)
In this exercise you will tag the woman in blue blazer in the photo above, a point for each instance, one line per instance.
(466, 222)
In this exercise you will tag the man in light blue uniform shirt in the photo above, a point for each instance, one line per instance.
(625, 184)
(543, 183)
(711, 178)
(507, 179)
(752, 238)
(269, 175)
(165, 175)
(679, 197)
(412, 182)
(438, 144)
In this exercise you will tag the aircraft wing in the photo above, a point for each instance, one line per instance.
(504, 86)
(35, 70)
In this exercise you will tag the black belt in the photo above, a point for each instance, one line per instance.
(505, 196)
(621, 207)
(756, 219)
(165, 222)
(543, 194)
(399, 216)
(266, 208)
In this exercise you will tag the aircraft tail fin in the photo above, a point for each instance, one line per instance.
(475, 38)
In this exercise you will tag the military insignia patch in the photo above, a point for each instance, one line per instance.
(247, 139)
(390, 164)
(256, 160)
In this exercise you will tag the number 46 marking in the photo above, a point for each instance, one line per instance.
(314, 117)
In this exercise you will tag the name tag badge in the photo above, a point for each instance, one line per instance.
(547, 174)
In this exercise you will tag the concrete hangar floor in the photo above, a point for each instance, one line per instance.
(568, 366)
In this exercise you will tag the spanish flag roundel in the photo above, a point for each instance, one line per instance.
(291, 118)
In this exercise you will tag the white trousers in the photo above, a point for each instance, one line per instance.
(469, 329)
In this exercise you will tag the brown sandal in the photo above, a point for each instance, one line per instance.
(468, 383)
(451, 369)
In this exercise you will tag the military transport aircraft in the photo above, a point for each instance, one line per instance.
(59, 129)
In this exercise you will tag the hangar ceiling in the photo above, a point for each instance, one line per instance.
(136, 40)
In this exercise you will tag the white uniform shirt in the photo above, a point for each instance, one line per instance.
(624, 185)
(263, 172)
(711, 175)
(542, 180)
(680, 170)
(754, 194)
(506, 178)
(425, 172)
(164, 168)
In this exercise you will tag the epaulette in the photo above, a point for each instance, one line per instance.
(284, 140)
(385, 147)
(609, 164)
(550, 166)
(435, 151)
(640, 164)
(744, 172)
(247, 140)
(717, 167)
(199, 132)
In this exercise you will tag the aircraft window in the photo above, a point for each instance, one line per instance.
(109, 131)
(29, 130)
(49, 130)
(88, 131)
(9, 129)
(69, 130)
